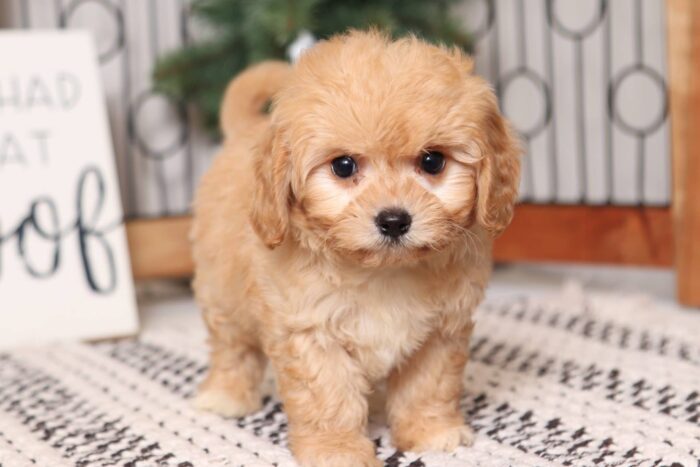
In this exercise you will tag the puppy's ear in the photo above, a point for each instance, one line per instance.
(269, 215)
(499, 173)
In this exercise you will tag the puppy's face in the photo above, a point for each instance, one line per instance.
(383, 152)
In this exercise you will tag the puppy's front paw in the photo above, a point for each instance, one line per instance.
(336, 452)
(341, 459)
(433, 439)
(446, 440)
(225, 403)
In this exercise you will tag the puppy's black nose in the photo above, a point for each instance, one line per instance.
(393, 222)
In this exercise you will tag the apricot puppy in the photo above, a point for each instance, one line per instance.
(346, 237)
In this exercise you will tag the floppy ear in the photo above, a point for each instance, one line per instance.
(499, 174)
(269, 215)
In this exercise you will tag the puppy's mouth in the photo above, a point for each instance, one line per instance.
(404, 246)
(393, 243)
(391, 252)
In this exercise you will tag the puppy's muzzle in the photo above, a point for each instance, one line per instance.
(393, 222)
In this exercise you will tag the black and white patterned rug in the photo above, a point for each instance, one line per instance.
(556, 380)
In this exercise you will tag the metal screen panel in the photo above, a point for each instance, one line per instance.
(584, 82)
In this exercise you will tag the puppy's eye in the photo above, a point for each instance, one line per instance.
(344, 166)
(432, 162)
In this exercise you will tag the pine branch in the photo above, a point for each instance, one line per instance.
(248, 31)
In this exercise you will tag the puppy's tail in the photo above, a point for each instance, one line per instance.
(249, 93)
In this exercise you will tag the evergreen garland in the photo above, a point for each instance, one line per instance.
(249, 31)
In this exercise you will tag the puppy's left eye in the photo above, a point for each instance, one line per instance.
(344, 166)
(432, 162)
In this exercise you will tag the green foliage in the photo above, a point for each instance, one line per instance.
(243, 32)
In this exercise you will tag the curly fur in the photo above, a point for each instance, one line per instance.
(290, 266)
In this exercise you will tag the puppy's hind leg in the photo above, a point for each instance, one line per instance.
(237, 367)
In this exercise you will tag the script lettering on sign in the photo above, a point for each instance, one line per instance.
(64, 267)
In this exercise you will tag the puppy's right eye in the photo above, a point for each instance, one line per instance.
(432, 162)
(344, 166)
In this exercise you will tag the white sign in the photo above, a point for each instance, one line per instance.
(64, 265)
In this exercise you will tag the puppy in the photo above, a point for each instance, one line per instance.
(346, 237)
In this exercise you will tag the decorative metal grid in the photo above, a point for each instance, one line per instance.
(583, 81)
(159, 151)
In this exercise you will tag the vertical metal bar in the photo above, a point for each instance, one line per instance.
(641, 169)
(189, 157)
(529, 172)
(641, 156)
(522, 59)
(24, 12)
(639, 32)
(553, 170)
(607, 76)
(153, 13)
(494, 52)
(522, 33)
(59, 14)
(131, 198)
(665, 71)
(581, 115)
(155, 47)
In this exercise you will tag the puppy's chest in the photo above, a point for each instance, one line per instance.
(384, 325)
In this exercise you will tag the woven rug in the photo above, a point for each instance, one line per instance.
(566, 379)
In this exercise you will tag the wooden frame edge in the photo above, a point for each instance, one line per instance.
(611, 234)
(640, 236)
(160, 248)
(683, 26)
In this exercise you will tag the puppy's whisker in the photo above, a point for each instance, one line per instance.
(474, 243)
